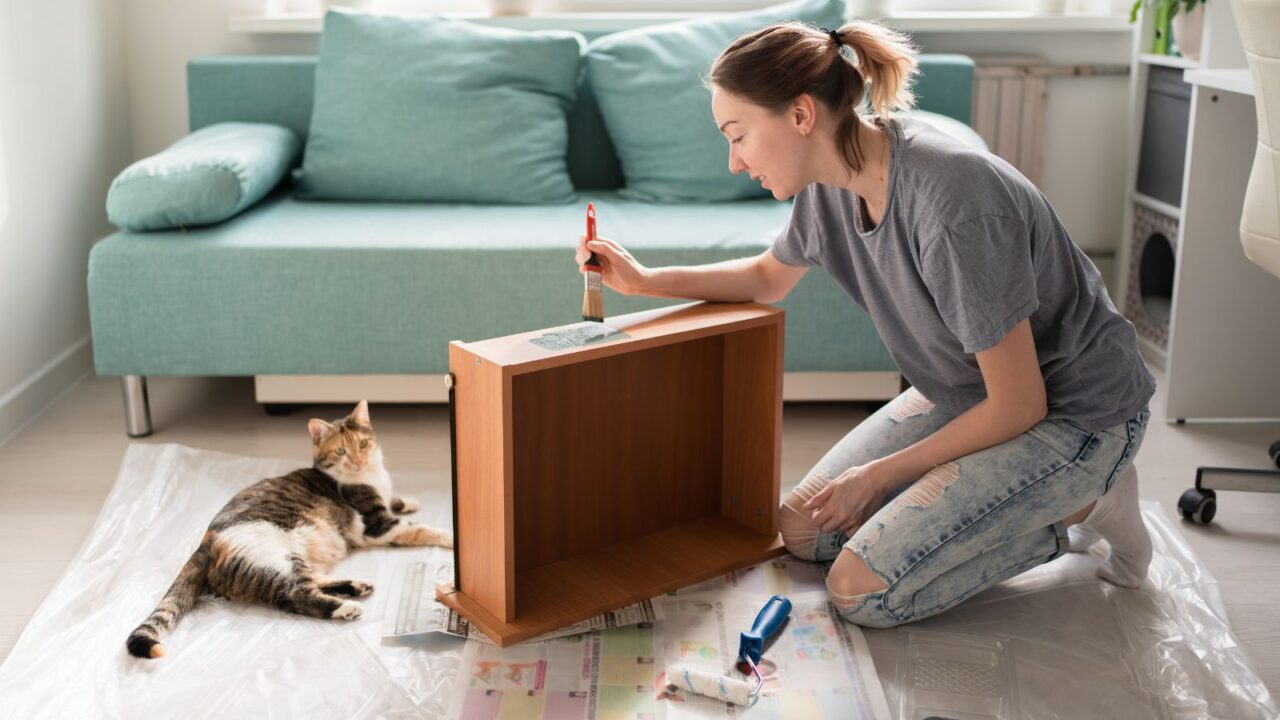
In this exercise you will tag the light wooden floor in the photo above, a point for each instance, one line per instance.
(55, 474)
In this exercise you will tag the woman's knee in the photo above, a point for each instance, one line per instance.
(858, 593)
(799, 533)
(850, 577)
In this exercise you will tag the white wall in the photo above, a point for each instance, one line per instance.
(63, 136)
(161, 36)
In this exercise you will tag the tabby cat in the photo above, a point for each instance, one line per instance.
(275, 540)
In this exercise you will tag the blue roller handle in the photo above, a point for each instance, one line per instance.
(771, 617)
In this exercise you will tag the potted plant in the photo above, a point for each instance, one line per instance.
(1185, 17)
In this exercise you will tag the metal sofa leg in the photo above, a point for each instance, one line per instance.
(137, 409)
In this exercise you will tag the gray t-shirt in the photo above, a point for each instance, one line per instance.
(966, 250)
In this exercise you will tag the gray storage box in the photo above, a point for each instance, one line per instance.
(1164, 135)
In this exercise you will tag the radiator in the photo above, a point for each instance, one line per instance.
(1010, 93)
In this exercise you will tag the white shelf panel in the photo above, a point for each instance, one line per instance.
(278, 24)
(1158, 205)
(1007, 21)
(1173, 61)
(312, 23)
(1237, 80)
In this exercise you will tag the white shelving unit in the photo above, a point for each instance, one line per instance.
(1219, 348)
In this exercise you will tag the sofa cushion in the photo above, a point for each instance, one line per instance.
(952, 127)
(648, 82)
(433, 109)
(204, 178)
(384, 287)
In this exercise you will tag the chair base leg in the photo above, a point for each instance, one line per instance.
(137, 407)
(1200, 503)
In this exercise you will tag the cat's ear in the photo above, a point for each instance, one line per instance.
(319, 430)
(361, 413)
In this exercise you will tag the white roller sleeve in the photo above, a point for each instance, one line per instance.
(725, 689)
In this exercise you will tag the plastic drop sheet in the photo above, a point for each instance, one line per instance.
(1083, 648)
(1077, 647)
(224, 659)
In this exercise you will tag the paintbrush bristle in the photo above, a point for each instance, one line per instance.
(593, 298)
(593, 306)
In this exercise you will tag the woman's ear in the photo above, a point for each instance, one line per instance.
(803, 113)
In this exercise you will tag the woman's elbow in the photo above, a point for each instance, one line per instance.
(1035, 411)
(1020, 413)
(1042, 412)
(770, 295)
(771, 290)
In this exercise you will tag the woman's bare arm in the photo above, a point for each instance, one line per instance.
(760, 278)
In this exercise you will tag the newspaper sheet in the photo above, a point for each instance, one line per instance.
(418, 612)
(818, 666)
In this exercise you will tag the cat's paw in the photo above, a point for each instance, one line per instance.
(348, 610)
(408, 506)
(346, 588)
(414, 535)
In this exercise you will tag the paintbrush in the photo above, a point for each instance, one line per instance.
(593, 292)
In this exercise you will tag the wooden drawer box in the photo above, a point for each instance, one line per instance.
(594, 477)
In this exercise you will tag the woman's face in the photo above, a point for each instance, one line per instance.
(768, 146)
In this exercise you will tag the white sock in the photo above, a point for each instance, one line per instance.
(1081, 537)
(1116, 518)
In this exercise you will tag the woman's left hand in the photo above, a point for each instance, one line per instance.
(849, 500)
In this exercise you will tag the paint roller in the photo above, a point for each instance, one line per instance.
(736, 690)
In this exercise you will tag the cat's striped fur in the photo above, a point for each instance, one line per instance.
(275, 540)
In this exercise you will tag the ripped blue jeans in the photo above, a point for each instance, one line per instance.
(965, 525)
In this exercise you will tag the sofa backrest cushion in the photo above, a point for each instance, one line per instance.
(279, 89)
(433, 109)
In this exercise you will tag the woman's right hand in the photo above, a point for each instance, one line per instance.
(618, 269)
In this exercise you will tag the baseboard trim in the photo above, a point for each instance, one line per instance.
(31, 397)
(800, 386)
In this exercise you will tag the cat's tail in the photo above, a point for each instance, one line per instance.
(144, 642)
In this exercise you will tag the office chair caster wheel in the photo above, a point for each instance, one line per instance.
(1198, 506)
(1274, 452)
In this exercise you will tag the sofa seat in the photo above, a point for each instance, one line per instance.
(298, 288)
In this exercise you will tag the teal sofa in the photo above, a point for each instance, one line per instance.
(293, 287)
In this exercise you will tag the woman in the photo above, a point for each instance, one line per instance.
(1029, 397)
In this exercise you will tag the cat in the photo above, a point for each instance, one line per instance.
(274, 541)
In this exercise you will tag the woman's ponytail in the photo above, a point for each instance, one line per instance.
(886, 60)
